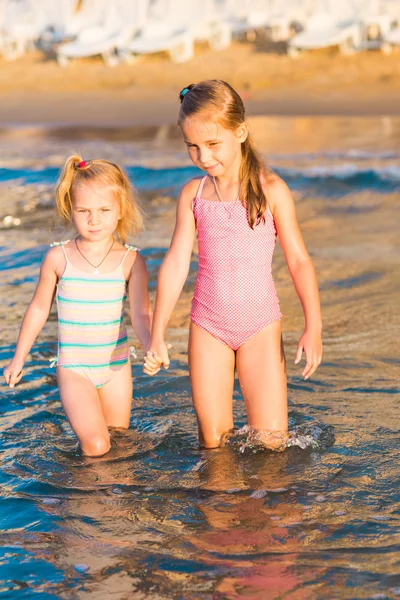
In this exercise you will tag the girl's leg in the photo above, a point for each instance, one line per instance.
(81, 404)
(261, 368)
(212, 368)
(116, 398)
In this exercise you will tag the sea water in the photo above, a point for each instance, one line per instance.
(159, 517)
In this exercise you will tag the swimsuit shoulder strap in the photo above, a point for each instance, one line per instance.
(201, 185)
(62, 247)
(129, 248)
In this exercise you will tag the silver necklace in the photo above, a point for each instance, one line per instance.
(96, 267)
(224, 204)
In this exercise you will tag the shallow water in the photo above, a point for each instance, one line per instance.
(160, 518)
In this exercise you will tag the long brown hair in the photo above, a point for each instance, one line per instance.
(77, 171)
(217, 100)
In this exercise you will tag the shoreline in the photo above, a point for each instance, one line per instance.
(36, 91)
(162, 144)
(106, 110)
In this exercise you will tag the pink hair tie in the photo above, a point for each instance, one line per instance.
(81, 164)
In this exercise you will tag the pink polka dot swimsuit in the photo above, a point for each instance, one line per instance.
(235, 295)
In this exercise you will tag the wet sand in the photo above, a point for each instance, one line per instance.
(35, 90)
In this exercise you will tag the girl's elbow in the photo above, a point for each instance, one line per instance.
(141, 321)
(38, 311)
(300, 264)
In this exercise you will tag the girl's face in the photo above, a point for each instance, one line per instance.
(95, 211)
(213, 148)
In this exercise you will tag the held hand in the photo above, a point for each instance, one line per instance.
(13, 372)
(155, 357)
(311, 344)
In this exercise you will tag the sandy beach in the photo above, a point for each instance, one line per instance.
(159, 517)
(35, 90)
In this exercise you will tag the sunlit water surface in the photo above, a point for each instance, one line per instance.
(158, 517)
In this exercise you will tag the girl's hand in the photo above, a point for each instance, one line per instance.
(155, 357)
(311, 343)
(13, 372)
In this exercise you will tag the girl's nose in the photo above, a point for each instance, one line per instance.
(94, 218)
(204, 156)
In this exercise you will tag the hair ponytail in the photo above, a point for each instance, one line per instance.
(64, 185)
(252, 170)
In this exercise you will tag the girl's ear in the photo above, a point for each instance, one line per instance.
(242, 132)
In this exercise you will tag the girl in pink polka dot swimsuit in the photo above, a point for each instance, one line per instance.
(237, 209)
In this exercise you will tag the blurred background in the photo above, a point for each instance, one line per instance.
(158, 517)
(96, 61)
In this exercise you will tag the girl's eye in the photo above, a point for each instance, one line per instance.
(214, 143)
(106, 210)
(82, 210)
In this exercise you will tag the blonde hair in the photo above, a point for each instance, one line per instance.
(216, 99)
(77, 171)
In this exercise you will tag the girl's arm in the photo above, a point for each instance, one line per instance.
(35, 316)
(301, 270)
(172, 276)
(141, 313)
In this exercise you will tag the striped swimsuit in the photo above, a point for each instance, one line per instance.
(235, 295)
(92, 339)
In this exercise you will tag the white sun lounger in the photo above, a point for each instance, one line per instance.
(376, 22)
(391, 40)
(165, 31)
(174, 26)
(21, 26)
(244, 16)
(113, 31)
(283, 17)
(60, 21)
(159, 37)
(323, 31)
(202, 19)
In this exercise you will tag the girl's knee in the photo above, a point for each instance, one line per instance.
(214, 439)
(96, 445)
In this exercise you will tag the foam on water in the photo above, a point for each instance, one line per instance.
(318, 436)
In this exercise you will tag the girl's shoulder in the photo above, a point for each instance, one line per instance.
(271, 181)
(57, 248)
(191, 187)
(54, 258)
(130, 259)
(275, 188)
(189, 192)
(134, 266)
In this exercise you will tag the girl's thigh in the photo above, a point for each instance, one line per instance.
(82, 406)
(116, 398)
(212, 370)
(261, 368)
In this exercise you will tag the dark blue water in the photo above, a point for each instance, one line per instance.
(161, 518)
(349, 177)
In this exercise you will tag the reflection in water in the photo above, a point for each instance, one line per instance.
(161, 518)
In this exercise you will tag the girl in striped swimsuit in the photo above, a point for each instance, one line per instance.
(237, 209)
(90, 276)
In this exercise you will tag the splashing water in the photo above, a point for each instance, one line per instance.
(317, 436)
